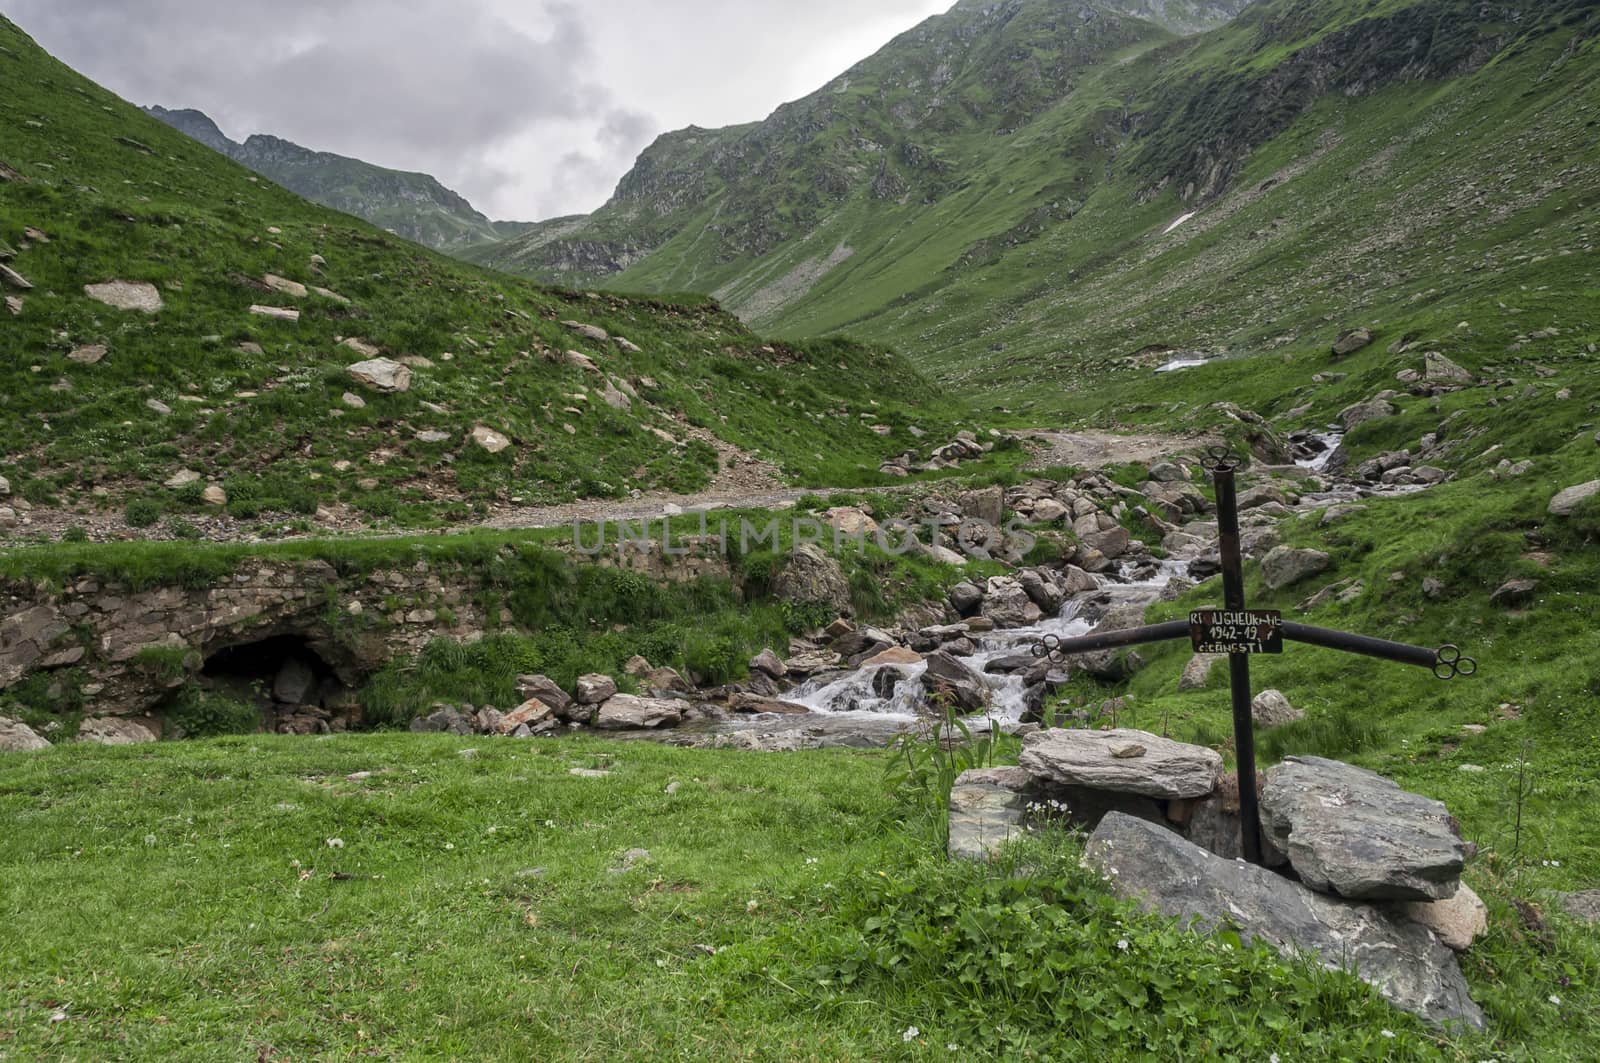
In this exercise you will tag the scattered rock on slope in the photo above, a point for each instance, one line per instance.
(126, 295)
(382, 374)
(1567, 502)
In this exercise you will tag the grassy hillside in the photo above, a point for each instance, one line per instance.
(414, 206)
(1402, 164)
(95, 191)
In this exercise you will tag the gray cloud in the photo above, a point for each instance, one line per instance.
(528, 108)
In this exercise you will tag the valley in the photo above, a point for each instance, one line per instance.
(329, 727)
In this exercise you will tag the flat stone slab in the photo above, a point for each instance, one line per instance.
(1351, 832)
(1122, 761)
(1403, 960)
(988, 807)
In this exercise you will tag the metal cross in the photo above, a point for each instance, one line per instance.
(1239, 632)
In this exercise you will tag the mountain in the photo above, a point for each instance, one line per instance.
(1031, 189)
(172, 321)
(411, 205)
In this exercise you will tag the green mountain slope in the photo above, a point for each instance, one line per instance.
(412, 205)
(102, 406)
(993, 192)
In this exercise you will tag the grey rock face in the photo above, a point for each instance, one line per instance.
(1287, 565)
(1123, 761)
(1583, 905)
(1352, 832)
(1167, 874)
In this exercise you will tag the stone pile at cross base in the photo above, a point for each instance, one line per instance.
(1360, 873)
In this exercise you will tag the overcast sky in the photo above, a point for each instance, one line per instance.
(529, 108)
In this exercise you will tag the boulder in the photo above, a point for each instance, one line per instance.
(1111, 543)
(125, 295)
(1260, 495)
(1351, 832)
(1122, 761)
(966, 597)
(114, 731)
(849, 521)
(1197, 673)
(637, 667)
(277, 313)
(1112, 665)
(543, 688)
(489, 439)
(1437, 369)
(1514, 593)
(757, 703)
(894, 655)
(1271, 709)
(18, 737)
(595, 688)
(382, 375)
(588, 332)
(986, 504)
(624, 712)
(665, 680)
(1351, 340)
(988, 807)
(1362, 412)
(1567, 502)
(1287, 565)
(1007, 604)
(444, 720)
(768, 662)
(1166, 874)
(88, 354)
(1457, 921)
(946, 676)
(531, 717)
(1042, 591)
(811, 577)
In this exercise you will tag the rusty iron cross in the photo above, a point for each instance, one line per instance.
(1239, 632)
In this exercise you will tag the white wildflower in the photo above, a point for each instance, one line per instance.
(911, 1034)
(1555, 1000)
(1387, 1033)
(751, 905)
(1122, 943)
(335, 843)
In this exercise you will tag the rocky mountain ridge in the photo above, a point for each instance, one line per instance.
(414, 206)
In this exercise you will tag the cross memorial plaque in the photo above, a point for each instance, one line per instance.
(1240, 632)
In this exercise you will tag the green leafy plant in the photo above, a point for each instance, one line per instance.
(923, 767)
(200, 713)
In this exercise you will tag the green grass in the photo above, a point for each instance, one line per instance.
(402, 897)
(256, 404)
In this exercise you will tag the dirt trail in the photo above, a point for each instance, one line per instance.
(1095, 449)
(741, 482)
